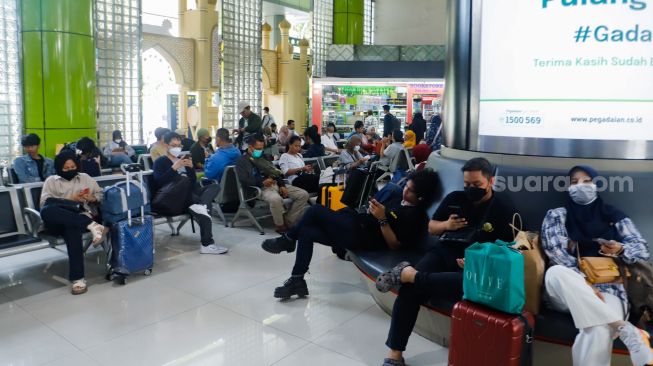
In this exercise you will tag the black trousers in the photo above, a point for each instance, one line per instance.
(71, 226)
(319, 224)
(205, 196)
(438, 276)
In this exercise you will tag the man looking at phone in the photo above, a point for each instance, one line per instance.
(463, 217)
(172, 168)
(254, 171)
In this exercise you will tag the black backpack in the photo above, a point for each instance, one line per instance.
(639, 288)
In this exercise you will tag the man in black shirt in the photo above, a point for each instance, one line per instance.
(402, 226)
(476, 214)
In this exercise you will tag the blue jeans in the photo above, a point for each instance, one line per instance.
(117, 160)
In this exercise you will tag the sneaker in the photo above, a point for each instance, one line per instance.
(292, 286)
(391, 362)
(278, 245)
(637, 342)
(99, 232)
(200, 210)
(213, 249)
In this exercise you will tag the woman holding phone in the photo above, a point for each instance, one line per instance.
(588, 227)
(69, 203)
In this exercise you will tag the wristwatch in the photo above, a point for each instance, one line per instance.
(383, 222)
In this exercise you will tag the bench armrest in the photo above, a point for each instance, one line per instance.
(33, 220)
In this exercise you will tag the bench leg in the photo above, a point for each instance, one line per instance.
(218, 210)
(173, 230)
(181, 224)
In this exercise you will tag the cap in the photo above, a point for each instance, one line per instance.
(386, 107)
(202, 132)
(242, 105)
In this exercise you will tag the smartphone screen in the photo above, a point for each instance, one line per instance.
(456, 210)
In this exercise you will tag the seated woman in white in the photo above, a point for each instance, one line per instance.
(597, 310)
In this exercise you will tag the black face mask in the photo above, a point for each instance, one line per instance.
(68, 175)
(475, 194)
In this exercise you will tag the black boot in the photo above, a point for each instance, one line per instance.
(292, 286)
(278, 245)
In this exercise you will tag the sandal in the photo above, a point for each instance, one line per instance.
(78, 287)
(391, 279)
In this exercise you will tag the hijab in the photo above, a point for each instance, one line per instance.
(61, 159)
(595, 220)
(409, 139)
(283, 136)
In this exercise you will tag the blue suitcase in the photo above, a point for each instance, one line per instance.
(132, 244)
(122, 197)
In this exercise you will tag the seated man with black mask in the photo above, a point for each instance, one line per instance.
(476, 214)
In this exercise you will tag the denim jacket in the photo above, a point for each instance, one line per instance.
(28, 171)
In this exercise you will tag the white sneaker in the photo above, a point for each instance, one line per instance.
(636, 340)
(98, 231)
(212, 249)
(200, 210)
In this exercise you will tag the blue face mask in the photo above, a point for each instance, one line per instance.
(257, 154)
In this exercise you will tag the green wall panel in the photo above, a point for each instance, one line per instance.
(348, 18)
(32, 80)
(355, 29)
(340, 28)
(30, 11)
(69, 75)
(340, 6)
(356, 7)
(74, 16)
(54, 137)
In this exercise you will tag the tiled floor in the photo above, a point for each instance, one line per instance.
(194, 310)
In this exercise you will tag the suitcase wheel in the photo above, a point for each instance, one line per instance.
(148, 272)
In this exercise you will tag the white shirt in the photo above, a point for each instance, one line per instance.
(288, 162)
(371, 121)
(267, 120)
(328, 142)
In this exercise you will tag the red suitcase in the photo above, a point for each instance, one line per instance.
(484, 337)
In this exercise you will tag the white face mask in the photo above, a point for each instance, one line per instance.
(117, 141)
(357, 148)
(175, 151)
(583, 193)
(330, 134)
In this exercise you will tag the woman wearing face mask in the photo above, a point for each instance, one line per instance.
(282, 138)
(65, 209)
(598, 310)
(117, 151)
(351, 157)
(297, 173)
(330, 139)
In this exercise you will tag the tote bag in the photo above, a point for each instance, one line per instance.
(494, 276)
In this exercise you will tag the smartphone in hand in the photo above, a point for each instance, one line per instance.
(602, 241)
(456, 210)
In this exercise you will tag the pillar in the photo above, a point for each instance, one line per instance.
(348, 21)
(58, 70)
(183, 109)
(266, 29)
(183, 6)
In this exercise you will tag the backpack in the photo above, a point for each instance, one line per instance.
(639, 288)
(396, 124)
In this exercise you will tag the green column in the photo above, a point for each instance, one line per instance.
(58, 70)
(348, 21)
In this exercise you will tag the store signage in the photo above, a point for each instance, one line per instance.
(365, 90)
(426, 88)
